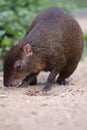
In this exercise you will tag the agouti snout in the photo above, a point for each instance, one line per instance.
(53, 42)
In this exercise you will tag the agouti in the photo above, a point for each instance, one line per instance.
(53, 42)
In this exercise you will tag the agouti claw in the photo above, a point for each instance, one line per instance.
(47, 88)
(62, 82)
(23, 84)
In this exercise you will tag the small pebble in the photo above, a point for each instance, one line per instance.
(33, 113)
(3, 95)
(28, 101)
(63, 95)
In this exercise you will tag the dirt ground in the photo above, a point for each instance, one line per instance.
(62, 108)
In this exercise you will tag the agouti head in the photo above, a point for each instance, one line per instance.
(20, 62)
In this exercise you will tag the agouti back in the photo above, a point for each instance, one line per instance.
(53, 42)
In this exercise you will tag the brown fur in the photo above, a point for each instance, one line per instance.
(57, 45)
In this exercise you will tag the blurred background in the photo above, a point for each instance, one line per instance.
(17, 15)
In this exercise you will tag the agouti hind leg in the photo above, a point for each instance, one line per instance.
(66, 73)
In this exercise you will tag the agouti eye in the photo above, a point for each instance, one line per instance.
(17, 66)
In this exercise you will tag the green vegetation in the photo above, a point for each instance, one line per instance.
(17, 15)
(85, 46)
(81, 4)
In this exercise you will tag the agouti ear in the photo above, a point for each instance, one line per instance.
(27, 49)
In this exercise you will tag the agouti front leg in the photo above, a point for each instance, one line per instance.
(50, 80)
(30, 79)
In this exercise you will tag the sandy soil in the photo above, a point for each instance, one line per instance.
(62, 108)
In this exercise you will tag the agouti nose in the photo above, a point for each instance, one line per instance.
(7, 84)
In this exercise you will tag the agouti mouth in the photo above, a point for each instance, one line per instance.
(12, 84)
